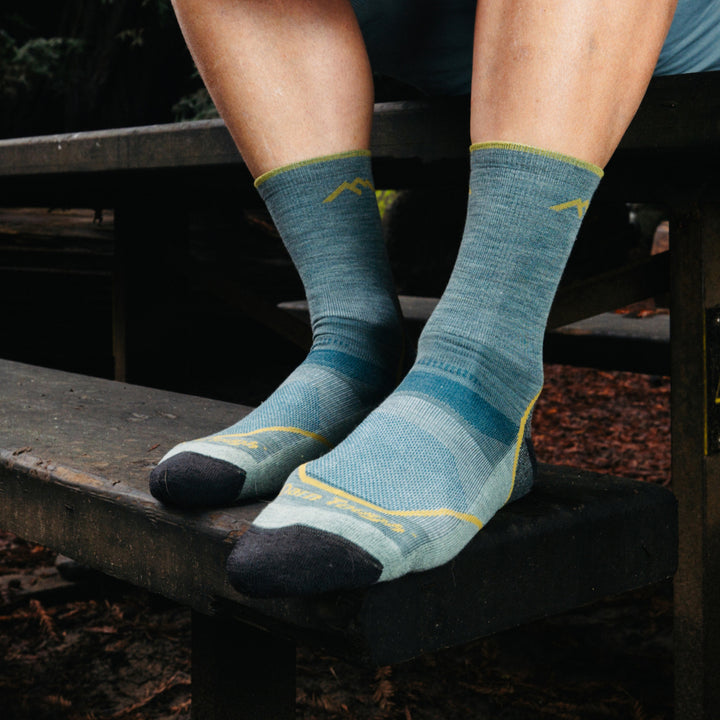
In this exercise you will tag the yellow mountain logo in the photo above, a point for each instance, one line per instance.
(355, 186)
(579, 203)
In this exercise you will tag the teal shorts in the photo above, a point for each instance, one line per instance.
(428, 43)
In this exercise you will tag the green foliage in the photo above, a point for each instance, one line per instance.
(385, 199)
(196, 106)
(23, 67)
(86, 64)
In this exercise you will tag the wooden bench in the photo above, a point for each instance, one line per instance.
(82, 486)
(75, 478)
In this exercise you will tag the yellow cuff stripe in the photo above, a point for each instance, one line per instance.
(519, 442)
(539, 151)
(313, 161)
(298, 431)
(304, 477)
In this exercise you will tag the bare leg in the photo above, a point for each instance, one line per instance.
(292, 81)
(291, 78)
(563, 75)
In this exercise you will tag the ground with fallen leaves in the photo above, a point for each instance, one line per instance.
(105, 651)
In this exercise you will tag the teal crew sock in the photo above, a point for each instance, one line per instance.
(409, 488)
(327, 215)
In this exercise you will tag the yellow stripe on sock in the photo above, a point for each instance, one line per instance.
(519, 442)
(539, 151)
(278, 428)
(304, 477)
(312, 161)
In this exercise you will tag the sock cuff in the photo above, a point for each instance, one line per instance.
(312, 161)
(518, 147)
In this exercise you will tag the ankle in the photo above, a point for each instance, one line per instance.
(379, 340)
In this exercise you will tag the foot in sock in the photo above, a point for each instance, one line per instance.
(409, 488)
(327, 215)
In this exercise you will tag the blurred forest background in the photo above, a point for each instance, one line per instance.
(90, 64)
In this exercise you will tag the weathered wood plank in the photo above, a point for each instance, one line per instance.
(607, 291)
(177, 145)
(575, 538)
(678, 113)
(613, 342)
(111, 429)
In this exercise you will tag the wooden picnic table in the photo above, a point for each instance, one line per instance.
(81, 486)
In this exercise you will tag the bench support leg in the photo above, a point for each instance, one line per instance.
(240, 671)
(695, 313)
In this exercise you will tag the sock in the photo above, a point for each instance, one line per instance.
(409, 488)
(327, 214)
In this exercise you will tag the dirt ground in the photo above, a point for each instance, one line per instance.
(102, 651)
